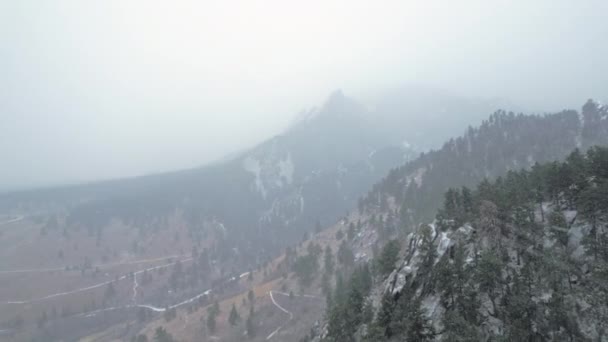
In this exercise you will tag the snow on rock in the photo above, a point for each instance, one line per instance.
(434, 310)
(272, 170)
(570, 215)
(409, 267)
(399, 281)
(444, 243)
(301, 204)
(575, 237)
(286, 169)
(433, 230)
(415, 177)
(253, 165)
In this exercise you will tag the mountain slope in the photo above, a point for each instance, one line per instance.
(524, 258)
(260, 199)
(519, 258)
(504, 142)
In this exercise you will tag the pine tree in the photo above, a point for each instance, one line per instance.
(329, 260)
(489, 277)
(251, 297)
(428, 251)
(211, 323)
(161, 335)
(559, 227)
(388, 257)
(457, 329)
(385, 314)
(234, 317)
(350, 233)
(354, 311)
(418, 326)
(305, 269)
(141, 338)
(345, 255)
(374, 334)
(251, 332)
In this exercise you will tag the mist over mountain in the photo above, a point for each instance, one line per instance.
(312, 173)
(318, 171)
(328, 166)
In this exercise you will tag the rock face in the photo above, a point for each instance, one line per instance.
(442, 242)
(476, 242)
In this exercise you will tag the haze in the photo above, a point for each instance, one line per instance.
(106, 89)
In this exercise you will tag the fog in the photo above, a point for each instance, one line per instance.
(97, 90)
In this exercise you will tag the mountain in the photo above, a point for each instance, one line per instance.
(524, 258)
(506, 141)
(258, 200)
(234, 232)
(520, 257)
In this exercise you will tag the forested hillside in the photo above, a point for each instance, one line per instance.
(504, 142)
(521, 258)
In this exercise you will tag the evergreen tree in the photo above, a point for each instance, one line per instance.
(457, 329)
(388, 257)
(211, 322)
(385, 314)
(350, 233)
(345, 255)
(305, 268)
(489, 276)
(419, 328)
(251, 297)
(141, 338)
(161, 335)
(329, 261)
(559, 228)
(427, 249)
(251, 331)
(234, 317)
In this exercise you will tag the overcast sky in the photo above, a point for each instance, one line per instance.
(103, 89)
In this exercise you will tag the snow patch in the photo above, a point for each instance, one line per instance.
(301, 204)
(286, 169)
(416, 177)
(253, 165)
(443, 245)
(432, 308)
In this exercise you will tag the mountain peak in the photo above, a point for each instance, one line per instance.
(336, 95)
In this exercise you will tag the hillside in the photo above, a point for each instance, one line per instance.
(504, 142)
(70, 251)
(523, 258)
(267, 195)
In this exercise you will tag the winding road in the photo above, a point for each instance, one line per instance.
(135, 290)
(285, 310)
(282, 309)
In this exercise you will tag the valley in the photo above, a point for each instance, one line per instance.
(106, 278)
